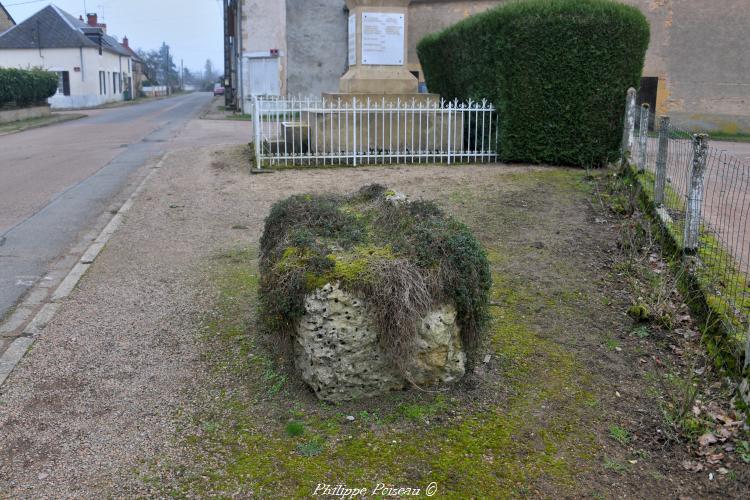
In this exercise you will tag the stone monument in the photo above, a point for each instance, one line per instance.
(376, 87)
(378, 34)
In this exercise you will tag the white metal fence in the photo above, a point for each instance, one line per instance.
(351, 131)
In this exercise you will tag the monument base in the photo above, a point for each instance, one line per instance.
(378, 80)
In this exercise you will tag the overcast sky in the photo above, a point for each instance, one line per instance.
(192, 28)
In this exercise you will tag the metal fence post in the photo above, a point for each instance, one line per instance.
(628, 129)
(695, 195)
(661, 161)
(643, 138)
(354, 130)
(257, 131)
(450, 133)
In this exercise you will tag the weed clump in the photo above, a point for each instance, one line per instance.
(401, 258)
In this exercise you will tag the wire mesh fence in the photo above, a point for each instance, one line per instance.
(352, 131)
(705, 194)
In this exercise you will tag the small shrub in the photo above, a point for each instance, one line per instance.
(310, 448)
(295, 428)
(743, 451)
(26, 87)
(558, 71)
(614, 465)
(619, 434)
(401, 258)
(641, 332)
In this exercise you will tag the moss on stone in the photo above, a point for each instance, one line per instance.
(372, 247)
(351, 268)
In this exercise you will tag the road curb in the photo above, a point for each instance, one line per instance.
(21, 345)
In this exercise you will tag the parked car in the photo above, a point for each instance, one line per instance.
(218, 89)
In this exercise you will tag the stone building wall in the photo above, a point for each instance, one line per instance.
(264, 29)
(317, 45)
(699, 51)
(429, 16)
(701, 56)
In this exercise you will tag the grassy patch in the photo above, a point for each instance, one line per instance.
(294, 429)
(614, 465)
(32, 123)
(495, 440)
(619, 434)
(240, 117)
(531, 421)
(728, 137)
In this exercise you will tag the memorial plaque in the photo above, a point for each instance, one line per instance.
(352, 40)
(382, 39)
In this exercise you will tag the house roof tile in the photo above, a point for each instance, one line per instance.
(53, 28)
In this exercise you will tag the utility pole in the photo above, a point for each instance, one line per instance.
(228, 84)
(182, 75)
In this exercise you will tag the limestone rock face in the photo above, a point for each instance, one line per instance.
(337, 352)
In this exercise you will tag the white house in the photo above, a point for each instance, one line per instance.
(93, 67)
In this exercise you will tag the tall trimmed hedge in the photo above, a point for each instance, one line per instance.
(25, 87)
(557, 70)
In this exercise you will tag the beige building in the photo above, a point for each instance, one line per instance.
(697, 67)
(6, 22)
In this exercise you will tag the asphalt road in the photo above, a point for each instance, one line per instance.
(57, 181)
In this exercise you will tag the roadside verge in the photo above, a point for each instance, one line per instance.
(23, 125)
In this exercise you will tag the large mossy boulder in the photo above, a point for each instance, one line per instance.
(374, 292)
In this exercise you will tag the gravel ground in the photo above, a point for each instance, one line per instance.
(95, 398)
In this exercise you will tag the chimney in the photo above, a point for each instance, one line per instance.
(93, 20)
(125, 42)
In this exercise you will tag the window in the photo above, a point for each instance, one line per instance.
(102, 83)
(63, 83)
(114, 82)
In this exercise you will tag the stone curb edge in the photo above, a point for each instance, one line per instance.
(21, 345)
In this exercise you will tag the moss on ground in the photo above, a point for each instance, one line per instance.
(527, 430)
(536, 435)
